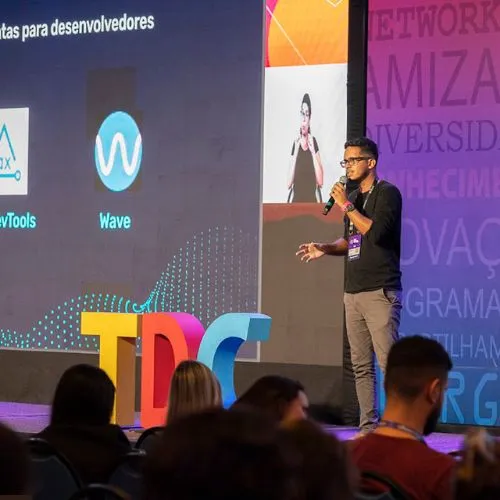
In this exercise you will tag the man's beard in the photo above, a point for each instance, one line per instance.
(432, 421)
(363, 176)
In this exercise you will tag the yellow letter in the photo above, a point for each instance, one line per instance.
(117, 333)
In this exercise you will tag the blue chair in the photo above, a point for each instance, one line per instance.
(54, 477)
(394, 491)
(99, 492)
(128, 475)
(148, 438)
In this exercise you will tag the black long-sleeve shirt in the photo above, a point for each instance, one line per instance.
(378, 265)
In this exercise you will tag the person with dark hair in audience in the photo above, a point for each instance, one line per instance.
(415, 384)
(325, 470)
(223, 455)
(478, 471)
(14, 464)
(80, 426)
(280, 398)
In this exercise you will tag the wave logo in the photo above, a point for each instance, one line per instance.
(118, 151)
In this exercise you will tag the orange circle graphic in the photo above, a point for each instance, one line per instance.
(308, 32)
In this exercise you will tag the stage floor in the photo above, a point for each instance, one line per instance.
(31, 419)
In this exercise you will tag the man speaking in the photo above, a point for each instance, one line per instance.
(372, 245)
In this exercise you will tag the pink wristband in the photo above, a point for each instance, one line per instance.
(345, 206)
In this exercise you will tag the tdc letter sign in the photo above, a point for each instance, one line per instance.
(167, 339)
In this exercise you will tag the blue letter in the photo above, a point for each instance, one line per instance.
(450, 395)
(221, 343)
(489, 405)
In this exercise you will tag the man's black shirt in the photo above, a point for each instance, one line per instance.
(378, 265)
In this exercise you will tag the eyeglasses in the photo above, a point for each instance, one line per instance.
(354, 161)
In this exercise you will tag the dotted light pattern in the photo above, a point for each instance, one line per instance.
(214, 273)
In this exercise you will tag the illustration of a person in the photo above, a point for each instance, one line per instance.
(306, 170)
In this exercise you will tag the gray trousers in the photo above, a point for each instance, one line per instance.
(372, 324)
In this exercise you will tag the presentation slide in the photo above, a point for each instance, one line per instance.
(305, 107)
(130, 151)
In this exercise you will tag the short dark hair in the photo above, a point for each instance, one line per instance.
(412, 363)
(14, 463)
(84, 395)
(307, 100)
(366, 145)
(220, 454)
(325, 470)
(271, 394)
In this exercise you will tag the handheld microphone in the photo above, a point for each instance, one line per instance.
(331, 201)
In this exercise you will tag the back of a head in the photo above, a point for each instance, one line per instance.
(478, 472)
(271, 395)
(14, 463)
(325, 470)
(193, 388)
(84, 396)
(413, 363)
(219, 454)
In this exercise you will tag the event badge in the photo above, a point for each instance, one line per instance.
(354, 247)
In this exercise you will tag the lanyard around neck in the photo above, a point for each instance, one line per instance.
(351, 225)
(402, 428)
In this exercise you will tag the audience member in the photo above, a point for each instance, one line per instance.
(223, 455)
(80, 426)
(14, 463)
(478, 472)
(282, 399)
(193, 388)
(325, 471)
(415, 383)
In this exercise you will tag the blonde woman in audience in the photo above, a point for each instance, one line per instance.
(193, 388)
